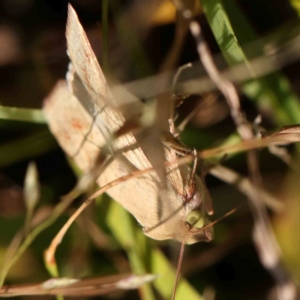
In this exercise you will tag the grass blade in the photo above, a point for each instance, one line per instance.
(231, 29)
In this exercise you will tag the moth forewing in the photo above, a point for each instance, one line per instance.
(162, 212)
(110, 112)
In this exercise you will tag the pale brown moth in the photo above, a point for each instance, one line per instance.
(83, 115)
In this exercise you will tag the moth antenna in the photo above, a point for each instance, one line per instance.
(195, 163)
(178, 270)
(190, 185)
(216, 221)
(178, 73)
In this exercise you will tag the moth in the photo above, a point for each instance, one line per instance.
(172, 203)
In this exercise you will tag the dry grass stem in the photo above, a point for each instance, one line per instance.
(263, 236)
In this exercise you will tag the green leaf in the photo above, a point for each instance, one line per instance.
(22, 114)
(32, 145)
(231, 29)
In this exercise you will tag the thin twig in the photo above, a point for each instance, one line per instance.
(178, 270)
(193, 81)
(245, 186)
(223, 173)
(57, 211)
(263, 236)
(50, 251)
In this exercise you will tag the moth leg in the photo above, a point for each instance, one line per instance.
(170, 140)
(190, 186)
(174, 144)
(177, 96)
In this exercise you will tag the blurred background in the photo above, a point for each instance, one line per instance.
(141, 39)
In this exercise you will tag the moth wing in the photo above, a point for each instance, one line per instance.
(81, 129)
(86, 64)
(72, 126)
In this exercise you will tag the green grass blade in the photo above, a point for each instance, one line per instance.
(22, 114)
(231, 29)
(33, 145)
(296, 6)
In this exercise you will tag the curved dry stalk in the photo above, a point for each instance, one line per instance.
(279, 138)
(57, 211)
(225, 174)
(50, 251)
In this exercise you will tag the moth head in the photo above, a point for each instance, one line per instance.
(199, 228)
(195, 219)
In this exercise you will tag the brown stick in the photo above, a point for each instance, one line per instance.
(263, 235)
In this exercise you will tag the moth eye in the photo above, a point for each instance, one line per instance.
(195, 219)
